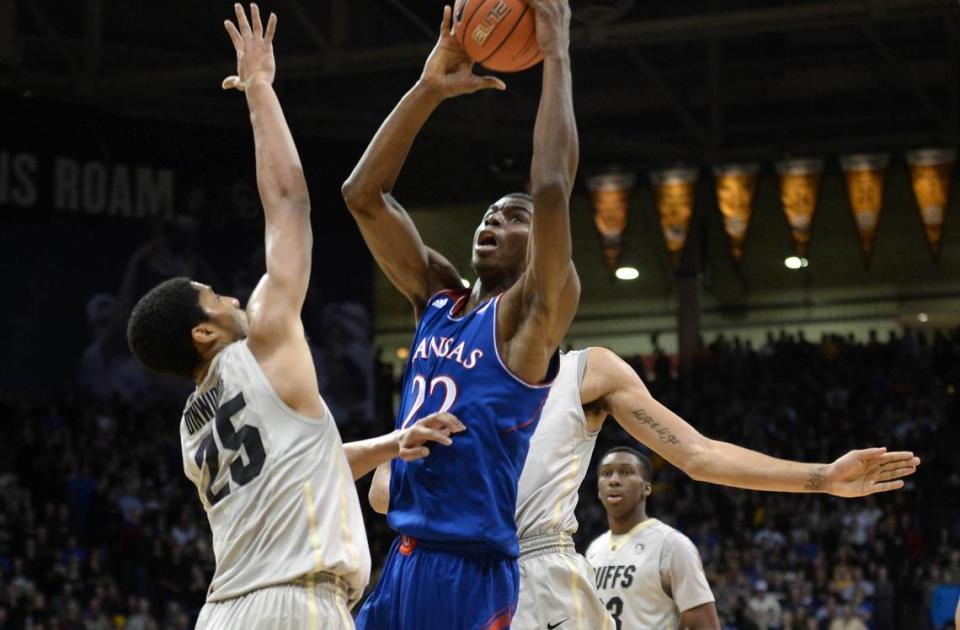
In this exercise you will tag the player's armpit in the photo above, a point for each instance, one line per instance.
(414, 269)
(614, 385)
(550, 287)
(703, 617)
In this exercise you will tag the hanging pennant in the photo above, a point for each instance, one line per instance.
(865, 174)
(799, 187)
(610, 196)
(930, 173)
(736, 184)
(674, 191)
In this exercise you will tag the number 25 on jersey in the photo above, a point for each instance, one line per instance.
(232, 439)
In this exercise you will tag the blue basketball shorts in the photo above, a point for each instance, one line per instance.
(431, 586)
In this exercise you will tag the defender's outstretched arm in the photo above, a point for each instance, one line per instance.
(278, 299)
(407, 444)
(617, 388)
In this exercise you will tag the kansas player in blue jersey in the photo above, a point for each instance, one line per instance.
(487, 355)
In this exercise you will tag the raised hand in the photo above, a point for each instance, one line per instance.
(867, 471)
(254, 48)
(553, 25)
(436, 427)
(449, 70)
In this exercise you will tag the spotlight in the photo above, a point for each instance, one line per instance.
(795, 262)
(627, 273)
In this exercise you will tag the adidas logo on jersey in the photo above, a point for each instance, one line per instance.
(440, 303)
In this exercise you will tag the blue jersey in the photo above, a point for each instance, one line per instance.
(465, 493)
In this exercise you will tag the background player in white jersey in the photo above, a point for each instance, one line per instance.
(648, 574)
(258, 441)
(592, 384)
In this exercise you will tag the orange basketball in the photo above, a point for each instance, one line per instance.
(500, 35)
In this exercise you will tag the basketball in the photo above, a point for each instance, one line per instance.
(500, 35)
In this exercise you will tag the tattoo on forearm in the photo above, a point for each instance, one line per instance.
(666, 436)
(816, 479)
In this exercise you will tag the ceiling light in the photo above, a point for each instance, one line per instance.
(795, 262)
(923, 317)
(627, 273)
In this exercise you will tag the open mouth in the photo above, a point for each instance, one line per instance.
(486, 241)
(614, 498)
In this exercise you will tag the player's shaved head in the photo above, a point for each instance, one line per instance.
(643, 462)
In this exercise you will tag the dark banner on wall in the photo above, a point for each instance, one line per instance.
(736, 184)
(799, 189)
(865, 174)
(674, 191)
(930, 174)
(95, 209)
(610, 196)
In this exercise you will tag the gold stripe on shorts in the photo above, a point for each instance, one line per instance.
(312, 604)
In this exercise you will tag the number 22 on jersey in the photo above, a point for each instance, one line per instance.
(421, 391)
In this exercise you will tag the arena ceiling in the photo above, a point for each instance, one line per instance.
(655, 81)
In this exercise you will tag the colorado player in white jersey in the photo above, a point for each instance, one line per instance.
(648, 574)
(556, 586)
(258, 441)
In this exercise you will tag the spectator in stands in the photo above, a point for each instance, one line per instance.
(764, 609)
(847, 620)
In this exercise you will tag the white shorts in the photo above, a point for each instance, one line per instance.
(309, 603)
(556, 588)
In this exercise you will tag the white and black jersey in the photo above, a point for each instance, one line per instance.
(556, 586)
(275, 484)
(648, 576)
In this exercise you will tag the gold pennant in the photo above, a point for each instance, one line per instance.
(736, 184)
(674, 190)
(930, 173)
(865, 174)
(610, 196)
(799, 187)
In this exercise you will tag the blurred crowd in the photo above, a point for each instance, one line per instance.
(99, 529)
(338, 332)
(813, 561)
